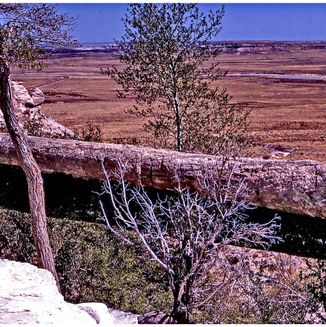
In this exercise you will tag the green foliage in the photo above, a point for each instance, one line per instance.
(27, 29)
(165, 56)
(315, 279)
(33, 127)
(127, 140)
(263, 289)
(92, 266)
(16, 240)
(90, 132)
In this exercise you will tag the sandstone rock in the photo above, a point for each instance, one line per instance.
(22, 97)
(30, 116)
(121, 317)
(37, 97)
(38, 124)
(29, 295)
(280, 154)
(102, 314)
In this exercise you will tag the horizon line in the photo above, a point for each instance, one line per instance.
(231, 40)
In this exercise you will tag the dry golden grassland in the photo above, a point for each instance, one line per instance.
(286, 113)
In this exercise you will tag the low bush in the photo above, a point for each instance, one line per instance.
(91, 264)
(89, 132)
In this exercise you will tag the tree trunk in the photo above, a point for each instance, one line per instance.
(180, 312)
(32, 172)
(179, 133)
(181, 301)
(176, 109)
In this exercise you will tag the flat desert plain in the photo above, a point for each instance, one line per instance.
(284, 85)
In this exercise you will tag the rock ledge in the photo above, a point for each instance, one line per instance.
(29, 113)
(29, 295)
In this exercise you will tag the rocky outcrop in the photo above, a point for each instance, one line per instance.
(28, 295)
(32, 119)
(290, 186)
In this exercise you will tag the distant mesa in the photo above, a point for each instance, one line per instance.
(228, 47)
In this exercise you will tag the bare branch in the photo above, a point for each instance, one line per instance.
(183, 232)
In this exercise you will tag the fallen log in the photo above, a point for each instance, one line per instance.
(290, 186)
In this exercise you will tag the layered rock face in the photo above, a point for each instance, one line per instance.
(33, 120)
(29, 295)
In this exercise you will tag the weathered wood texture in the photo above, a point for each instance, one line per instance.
(290, 186)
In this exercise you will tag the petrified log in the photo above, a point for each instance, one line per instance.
(290, 186)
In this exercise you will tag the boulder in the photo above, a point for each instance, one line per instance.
(29, 295)
(38, 124)
(100, 312)
(24, 99)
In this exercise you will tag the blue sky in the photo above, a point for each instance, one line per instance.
(244, 21)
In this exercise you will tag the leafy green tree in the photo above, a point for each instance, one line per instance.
(165, 56)
(25, 31)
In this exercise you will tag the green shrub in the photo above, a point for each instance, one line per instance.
(92, 265)
(89, 132)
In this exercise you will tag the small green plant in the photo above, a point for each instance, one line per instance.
(126, 140)
(90, 132)
(315, 280)
(33, 127)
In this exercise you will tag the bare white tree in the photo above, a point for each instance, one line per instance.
(183, 232)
